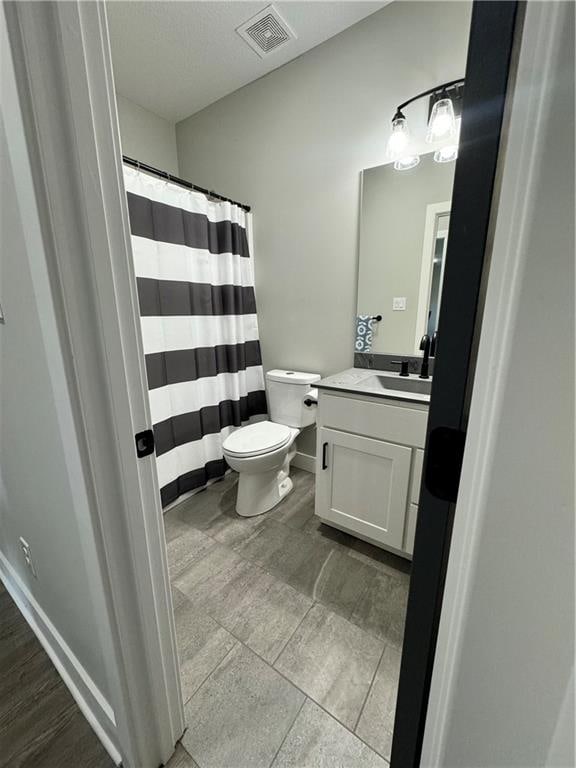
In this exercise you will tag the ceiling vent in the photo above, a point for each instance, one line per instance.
(266, 32)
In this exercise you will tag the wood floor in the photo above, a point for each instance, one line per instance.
(40, 723)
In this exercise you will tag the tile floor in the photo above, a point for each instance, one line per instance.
(289, 634)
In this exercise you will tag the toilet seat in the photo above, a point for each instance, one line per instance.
(257, 439)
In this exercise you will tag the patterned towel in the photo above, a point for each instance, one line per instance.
(364, 331)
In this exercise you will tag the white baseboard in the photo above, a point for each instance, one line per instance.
(305, 461)
(94, 706)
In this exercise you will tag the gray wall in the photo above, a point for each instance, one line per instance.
(391, 241)
(293, 143)
(36, 499)
(147, 137)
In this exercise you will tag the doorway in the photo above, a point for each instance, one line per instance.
(326, 589)
(205, 517)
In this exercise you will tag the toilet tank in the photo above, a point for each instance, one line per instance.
(286, 392)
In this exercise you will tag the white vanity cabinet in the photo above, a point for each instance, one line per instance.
(369, 466)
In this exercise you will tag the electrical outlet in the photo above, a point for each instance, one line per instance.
(25, 547)
(398, 303)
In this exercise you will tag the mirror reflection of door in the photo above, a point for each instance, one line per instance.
(435, 241)
(438, 263)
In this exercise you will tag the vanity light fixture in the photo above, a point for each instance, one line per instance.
(444, 113)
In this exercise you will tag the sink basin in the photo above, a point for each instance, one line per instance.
(401, 384)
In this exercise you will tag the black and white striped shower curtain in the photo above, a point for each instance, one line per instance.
(199, 326)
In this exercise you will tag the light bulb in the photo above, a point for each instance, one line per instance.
(441, 123)
(399, 138)
(449, 153)
(406, 162)
(446, 154)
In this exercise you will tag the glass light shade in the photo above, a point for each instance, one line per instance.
(406, 162)
(441, 124)
(399, 138)
(446, 154)
(450, 152)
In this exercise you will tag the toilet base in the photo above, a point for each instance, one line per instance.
(261, 492)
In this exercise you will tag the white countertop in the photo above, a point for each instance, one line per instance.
(352, 379)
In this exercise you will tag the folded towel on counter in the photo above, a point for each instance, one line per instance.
(364, 333)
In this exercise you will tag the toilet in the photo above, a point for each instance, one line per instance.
(261, 453)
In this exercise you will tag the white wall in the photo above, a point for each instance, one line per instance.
(292, 145)
(503, 687)
(36, 497)
(146, 136)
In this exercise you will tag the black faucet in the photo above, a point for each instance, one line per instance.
(425, 343)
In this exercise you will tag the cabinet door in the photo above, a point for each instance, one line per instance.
(362, 485)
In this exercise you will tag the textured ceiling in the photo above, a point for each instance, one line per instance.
(175, 58)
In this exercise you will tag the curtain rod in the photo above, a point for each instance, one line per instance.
(181, 182)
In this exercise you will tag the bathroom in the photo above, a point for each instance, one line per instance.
(289, 263)
(287, 443)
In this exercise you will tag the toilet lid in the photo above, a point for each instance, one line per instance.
(262, 437)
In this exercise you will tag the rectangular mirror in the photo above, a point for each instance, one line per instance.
(404, 222)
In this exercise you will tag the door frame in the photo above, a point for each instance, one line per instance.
(493, 28)
(531, 113)
(63, 74)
